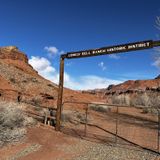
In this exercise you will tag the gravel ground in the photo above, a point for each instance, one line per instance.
(105, 152)
(86, 150)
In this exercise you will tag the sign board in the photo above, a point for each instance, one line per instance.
(112, 49)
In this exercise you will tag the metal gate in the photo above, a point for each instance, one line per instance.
(113, 124)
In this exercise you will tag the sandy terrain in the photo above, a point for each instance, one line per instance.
(99, 143)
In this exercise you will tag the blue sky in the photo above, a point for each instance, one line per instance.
(44, 29)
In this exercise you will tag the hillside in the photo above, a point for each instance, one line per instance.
(17, 77)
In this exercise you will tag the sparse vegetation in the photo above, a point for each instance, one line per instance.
(74, 117)
(34, 80)
(37, 100)
(12, 80)
(13, 123)
(145, 110)
(146, 99)
(100, 108)
(50, 85)
(153, 111)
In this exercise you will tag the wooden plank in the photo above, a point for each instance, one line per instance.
(112, 49)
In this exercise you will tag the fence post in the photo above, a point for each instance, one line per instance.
(158, 140)
(117, 112)
(86, 121)
(45, 118)
(60, 95)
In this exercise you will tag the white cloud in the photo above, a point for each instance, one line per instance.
(52, 50)
(69, 64)
(157, 62)
(61, 52)
(86, 82)
(43, 66)
(158, 22)
(93, 82)
(114, 56)
(157, 58)
(102, 66)
(45, 69)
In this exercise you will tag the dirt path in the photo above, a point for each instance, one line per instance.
(44, 143)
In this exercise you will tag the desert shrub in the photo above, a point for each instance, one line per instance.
(24, 81)
(99, 108)
(34, 80)
(147, 99)
(155, 100)
(50, 85)
(12, 80)
(74, 117)
(13, 123)
(145, 110)
(66, 116)
(37, 100)
(122, 99)
(150, 110)
(81, 117)
(115, 100)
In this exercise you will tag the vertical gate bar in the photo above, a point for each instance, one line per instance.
(45, 119)
(86, 120)
(60, 95)
(117, 112)
(158, 140)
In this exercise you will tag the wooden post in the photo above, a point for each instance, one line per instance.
(158, 140)
(86, 121)
(45, 118)
(60, 95)
(117, 112)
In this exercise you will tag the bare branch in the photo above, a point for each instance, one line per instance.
(158, 22)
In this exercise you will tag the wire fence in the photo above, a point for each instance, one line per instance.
(138, 126)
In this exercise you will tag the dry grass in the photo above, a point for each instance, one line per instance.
(100, 108)
(147, 99)
(13, 123)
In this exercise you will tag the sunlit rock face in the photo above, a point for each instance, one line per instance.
(12, 53)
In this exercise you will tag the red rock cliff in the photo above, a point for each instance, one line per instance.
(12, 53)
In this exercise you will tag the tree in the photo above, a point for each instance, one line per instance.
(157, 56)
(158, 22)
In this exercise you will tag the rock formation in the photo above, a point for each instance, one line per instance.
(12, 53)
(141, 93)
(18, 77)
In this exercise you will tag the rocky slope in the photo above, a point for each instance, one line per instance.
(18, 78)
